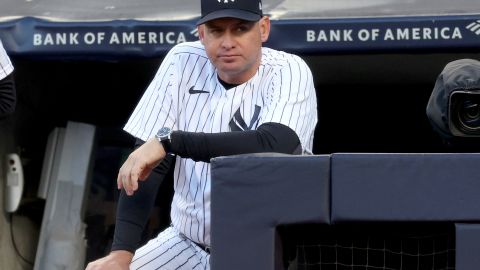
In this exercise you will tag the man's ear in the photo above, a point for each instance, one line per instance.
(264, 28)
(201, 32)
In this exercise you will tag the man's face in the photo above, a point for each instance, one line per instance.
(234, 46)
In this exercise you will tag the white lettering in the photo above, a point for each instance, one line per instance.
(37, 39)
(141, 38)
(444, 33)
(375, 33)
(61, 39)
(114, 39)
(402, 34)
(422, 33)
(147, 38)
(169, 39)
(456, 33)
(329, 36)
(322, 36)
(48, 40)
(389, 35)
(347, 35)
(73, 38)
(55, 39)
(152, 38)
(128, 38)
(100, 37)
(160, 38)
(335, 35)
(415, 33)
(427, 33)
(363, 35)
(89, 38)
(181, 38)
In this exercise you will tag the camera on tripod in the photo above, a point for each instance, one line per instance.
(454, 105)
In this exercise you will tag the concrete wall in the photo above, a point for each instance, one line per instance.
(25, 233)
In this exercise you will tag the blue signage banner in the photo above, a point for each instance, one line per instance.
(398, 34)
(119, 38)
(130, 38)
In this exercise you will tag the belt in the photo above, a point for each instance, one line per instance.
(203, 247)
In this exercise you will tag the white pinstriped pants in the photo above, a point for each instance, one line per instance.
(170, 251)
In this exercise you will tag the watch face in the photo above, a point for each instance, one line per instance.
(163, 132)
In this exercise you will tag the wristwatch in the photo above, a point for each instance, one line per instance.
(163, 136)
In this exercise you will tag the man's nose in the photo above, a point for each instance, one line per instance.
(228, 41)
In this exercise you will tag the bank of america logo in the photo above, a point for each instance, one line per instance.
(474, 27)
(194, 32)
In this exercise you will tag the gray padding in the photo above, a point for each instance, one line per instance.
(62, 243)
(467, 249)
(405, 187)
(252, 194)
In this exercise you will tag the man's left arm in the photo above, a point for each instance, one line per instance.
(292, 101)
(268, 137)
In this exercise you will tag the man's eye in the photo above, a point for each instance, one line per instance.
(245, 27)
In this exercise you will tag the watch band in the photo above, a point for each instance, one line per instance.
(167, 145)
(163, 136)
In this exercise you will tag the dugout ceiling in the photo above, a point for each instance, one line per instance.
(148, 28)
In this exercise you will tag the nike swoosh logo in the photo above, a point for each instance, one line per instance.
(193, 91)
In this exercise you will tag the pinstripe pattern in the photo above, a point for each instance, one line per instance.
(6, 66)
(163, 251)
(281, 91)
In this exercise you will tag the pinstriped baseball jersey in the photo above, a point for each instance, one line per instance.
(6, 66)
(186, 95)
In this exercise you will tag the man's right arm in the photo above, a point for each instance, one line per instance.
(132, 215)
(8, 97)
(133, 211)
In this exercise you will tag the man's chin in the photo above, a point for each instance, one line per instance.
(230, 69)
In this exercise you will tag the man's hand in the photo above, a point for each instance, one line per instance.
(116, 260)
(139, 165)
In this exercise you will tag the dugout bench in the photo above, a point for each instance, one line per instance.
(253, 194)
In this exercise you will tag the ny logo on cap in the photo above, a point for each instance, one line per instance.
(226, 1)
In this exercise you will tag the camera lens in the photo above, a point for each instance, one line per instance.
(464, 113)
(468, 113)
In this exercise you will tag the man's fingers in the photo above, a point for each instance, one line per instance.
(125, 178)
(120, 177)
(133, 180)
(138, 166)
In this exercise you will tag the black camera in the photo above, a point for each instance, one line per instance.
(464, 113)
(454, 105)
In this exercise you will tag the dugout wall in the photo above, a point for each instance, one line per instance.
(253, 196)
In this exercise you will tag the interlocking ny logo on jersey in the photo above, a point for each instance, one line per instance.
(238, 123)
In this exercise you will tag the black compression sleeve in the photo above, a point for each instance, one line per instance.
(8, 97)
(269, 137)
(133, 211)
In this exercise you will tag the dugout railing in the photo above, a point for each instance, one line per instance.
(252, 195)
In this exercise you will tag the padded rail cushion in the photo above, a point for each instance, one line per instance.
(252, 194)
(467, 246)
(405, 187)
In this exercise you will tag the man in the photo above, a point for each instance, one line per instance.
(7, 86)
(222, 95)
